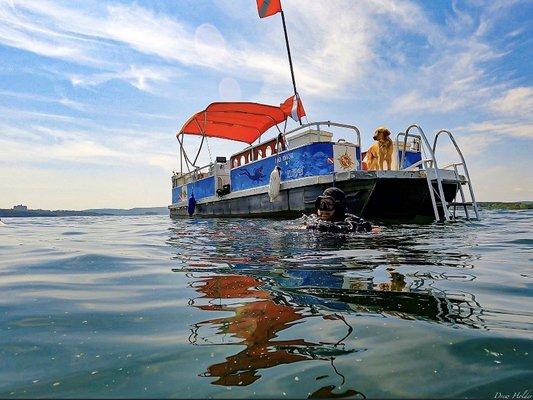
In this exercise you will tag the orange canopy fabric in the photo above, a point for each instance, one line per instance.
(240, 121)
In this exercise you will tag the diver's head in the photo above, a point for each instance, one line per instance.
(331, 205)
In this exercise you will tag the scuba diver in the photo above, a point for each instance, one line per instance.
(331, 215)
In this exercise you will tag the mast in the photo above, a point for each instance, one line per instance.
(290, 60)
(181, 158)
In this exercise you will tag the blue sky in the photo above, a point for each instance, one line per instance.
(92, 92)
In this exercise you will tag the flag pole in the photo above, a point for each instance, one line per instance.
(290, 62)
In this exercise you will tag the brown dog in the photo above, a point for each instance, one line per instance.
(380, 151)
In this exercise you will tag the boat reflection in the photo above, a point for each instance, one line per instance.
(258, 319)
(413, 297)
(267, 303)
(270, 290)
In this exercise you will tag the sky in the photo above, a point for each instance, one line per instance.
(92, 93)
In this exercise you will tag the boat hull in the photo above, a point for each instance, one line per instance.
(388, 198)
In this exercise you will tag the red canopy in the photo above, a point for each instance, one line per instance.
(241, 121)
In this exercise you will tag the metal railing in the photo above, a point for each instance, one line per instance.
(194, 175)
(433, 173)
(330, 124)
(430, 164)
(465, 204)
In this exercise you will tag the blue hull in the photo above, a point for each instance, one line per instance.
(373, 198)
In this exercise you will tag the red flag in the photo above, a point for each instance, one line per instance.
(267, 8)
(292, 108)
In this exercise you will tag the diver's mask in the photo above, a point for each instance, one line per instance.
(325, 203)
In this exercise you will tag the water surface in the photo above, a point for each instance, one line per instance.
(197, 308)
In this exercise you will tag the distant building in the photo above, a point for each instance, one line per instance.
(20, 207)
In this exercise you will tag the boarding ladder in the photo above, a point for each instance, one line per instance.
(431, 170)
(466, 204)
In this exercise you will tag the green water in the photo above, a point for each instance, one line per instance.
(150, 307)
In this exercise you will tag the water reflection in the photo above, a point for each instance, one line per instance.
(396, 295)
(283, 278)
(258, 318)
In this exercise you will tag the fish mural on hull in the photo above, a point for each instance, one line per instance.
(309, 160)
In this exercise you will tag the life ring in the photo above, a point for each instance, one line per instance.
(275, 183)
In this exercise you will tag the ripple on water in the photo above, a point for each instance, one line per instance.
(117, 306)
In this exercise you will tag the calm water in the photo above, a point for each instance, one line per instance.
(150, 307)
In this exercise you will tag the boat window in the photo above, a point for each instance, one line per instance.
(259, 154)
(268, 151)
(243, 160)
(235, 163)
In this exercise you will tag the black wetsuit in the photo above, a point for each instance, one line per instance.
(350, 223)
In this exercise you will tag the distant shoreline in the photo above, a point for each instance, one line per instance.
(502, 205)
(99, 212)
(102, 212)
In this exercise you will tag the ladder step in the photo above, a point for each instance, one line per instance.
(460, 204)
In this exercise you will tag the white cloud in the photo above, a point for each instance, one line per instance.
(456, 79)
(501, 128)
(31, 32)
(336, 48)
(340, 45)
(18, 114)
(75, 105)
(41, 144)
(471, 145)
(458, 72)
(142, 77)
(515, 102)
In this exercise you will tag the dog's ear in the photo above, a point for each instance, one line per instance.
(386, 132)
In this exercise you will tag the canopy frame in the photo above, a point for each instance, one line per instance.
(236, 118)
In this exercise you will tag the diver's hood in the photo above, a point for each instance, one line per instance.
(339, 199)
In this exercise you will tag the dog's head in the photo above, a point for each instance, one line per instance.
(381, 134)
